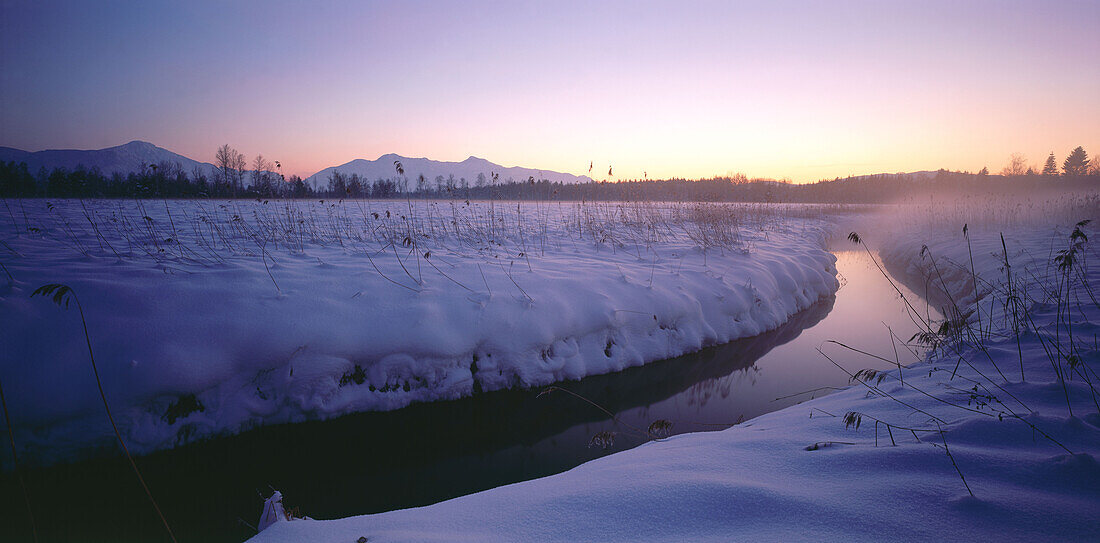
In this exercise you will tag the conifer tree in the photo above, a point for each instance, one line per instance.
(1050, 169)
(1077, 163)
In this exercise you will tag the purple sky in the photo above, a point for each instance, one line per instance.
(803, 90)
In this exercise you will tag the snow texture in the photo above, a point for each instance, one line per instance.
(804, 474)
(273, 511)
(210, 318)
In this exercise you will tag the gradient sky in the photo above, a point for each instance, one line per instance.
(799, 90)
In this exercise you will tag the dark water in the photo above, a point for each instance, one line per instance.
(423, 454)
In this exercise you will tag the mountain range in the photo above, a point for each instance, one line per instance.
(122, 159)
(385, 168)
(136, 155)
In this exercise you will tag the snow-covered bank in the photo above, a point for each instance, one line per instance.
(214, 317)
(945, 450)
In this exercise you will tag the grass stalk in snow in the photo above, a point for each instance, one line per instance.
(974, 276)
(1014, 300)
(953, 462)
(11, 280)
(949, 332)
(263, 256)
(955, 337)
(61, 294)
(14, 225)
(508, 272)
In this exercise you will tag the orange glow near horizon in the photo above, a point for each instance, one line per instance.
(784, 90)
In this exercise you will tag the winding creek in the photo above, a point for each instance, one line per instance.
(426, 453)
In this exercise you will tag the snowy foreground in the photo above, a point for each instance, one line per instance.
(208, 318)
(948, 449)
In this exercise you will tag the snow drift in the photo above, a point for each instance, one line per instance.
(214, 317)
(945, 450)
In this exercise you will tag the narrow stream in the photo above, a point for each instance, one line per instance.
(426, 453)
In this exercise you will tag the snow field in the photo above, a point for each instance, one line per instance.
(211, 317)
(946, 450)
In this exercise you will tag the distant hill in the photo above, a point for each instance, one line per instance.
(383, 168)
(123, 159)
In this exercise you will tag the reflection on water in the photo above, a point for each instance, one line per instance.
(425, 453)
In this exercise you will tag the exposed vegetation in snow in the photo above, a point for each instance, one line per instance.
(994, 436)
(214, 317)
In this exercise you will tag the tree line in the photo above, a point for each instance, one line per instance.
(233, 178)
